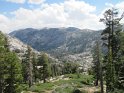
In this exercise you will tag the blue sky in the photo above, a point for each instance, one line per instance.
(24, 13)
(6, 6)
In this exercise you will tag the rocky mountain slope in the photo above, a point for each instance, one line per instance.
(20, 48)
(65, 44)
(58, 40)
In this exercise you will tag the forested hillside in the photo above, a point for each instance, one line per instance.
(58, 41)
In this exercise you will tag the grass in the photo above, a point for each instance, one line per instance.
(41, 87)
(68, 89)
(64, 89)
(63, 86)
(79, 78)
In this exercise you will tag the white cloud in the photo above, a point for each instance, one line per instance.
(82, 15)
(75, 13)
(119, 6)
(16, 1)
(4, 22)
(36, 1)
(109, 4)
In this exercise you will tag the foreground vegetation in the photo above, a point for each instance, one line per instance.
(75, 82)
(108, 54)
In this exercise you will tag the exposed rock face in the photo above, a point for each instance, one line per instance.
(18, 46)
(84, 59)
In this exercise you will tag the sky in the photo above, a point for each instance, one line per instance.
(83, 14)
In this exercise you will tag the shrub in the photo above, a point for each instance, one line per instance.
(117, 91)
(77, 91)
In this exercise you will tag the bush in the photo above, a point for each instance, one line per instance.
(117, 91)
(77, 91)
(97, 92)
(65, 88)
(41, 87)
(21, 87)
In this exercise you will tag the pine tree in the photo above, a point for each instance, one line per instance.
(2, 63)
(55, 69)
(30, 66)
(97, 60)
(14, 72)
(35, 70)
(46, 66)
(111, 21)
(24, 70)
(96, 63)
(10, 73)
(2, 79)
(120, 65)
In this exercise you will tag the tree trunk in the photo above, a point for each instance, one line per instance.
(44, 80)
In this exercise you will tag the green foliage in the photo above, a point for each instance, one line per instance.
(117, 91)
(41, 87)
(46, 70)
(10, 73)
(70, 68)
(23, 87)
(13, 73)
(72, 76)
(62, 86)
(64, 89)
(78, 91)
(78, 81)
(111, 40)
(97, 64)
(28, 67)
(14, 66)
(35, 69)
(2, 39)
(97, 92)
(120, 65)
(68, 89)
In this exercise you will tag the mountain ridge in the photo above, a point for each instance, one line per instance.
(64, 44)
(49, 39)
